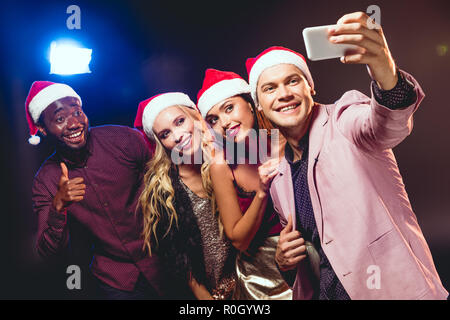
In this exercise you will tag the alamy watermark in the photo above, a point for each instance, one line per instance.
(374, 21)
(74, 20)
(259, 146)
(374, 280)
(74, 279)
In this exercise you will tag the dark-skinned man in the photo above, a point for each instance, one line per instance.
(95, 179)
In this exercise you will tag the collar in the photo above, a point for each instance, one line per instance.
(302, 145)
(315, 133)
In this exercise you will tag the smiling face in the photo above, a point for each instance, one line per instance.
(175, 128)
(65, 122)
(232, 118)
(285, 96)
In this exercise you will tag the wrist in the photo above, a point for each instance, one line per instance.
(389, 79)
(261, 194)
(58, 205)
(388, 84)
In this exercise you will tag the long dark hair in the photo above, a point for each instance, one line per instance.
(260, 121)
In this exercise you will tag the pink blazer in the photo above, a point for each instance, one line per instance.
(367, 227)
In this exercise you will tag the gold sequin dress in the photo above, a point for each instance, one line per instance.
(257, 276)
(219, 254)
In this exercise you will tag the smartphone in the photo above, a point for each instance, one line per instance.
(318, 47)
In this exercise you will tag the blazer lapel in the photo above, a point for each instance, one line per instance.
(283, 191)
(316, 137)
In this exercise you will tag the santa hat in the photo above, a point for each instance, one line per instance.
(149, 109)
(217, 86)
(271, 57)
(41, 95)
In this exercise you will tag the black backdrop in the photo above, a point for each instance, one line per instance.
(141, 48)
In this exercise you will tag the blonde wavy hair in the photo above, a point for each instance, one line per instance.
(157, 198)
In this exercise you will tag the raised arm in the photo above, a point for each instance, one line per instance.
(386, 119)
(53, 232)
(240, 227)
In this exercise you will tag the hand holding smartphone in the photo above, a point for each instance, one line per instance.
(318, 47)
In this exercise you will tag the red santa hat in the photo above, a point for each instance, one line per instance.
(217, 86)
(149, 109)
(41, 95)
(271, 57)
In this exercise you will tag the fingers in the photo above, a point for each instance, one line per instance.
(288, 228)
(292, 244)
(354, 17)
(64, 171)
(294, 254)
(69, 190)
(76, 180)
(294, 261)
(353, 28)
(75, 191)
(371, 45)
(269, 168)
(75, 196)
(292, 236)
(291, 249)
(267, 172)
(355, 59)
(71, 186)
(359, 40)
(267, 178)
(76, 199)
(357, 28)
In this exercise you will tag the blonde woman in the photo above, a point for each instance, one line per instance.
(241, 187)
(177, 199)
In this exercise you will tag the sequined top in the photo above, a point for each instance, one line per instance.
(219, 254)
(270, 225)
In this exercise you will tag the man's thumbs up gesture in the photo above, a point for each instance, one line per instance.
(291, 247)
(69, 190)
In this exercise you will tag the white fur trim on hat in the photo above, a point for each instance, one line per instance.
(47, 96)
(158, 104)
(34, 140)
(273, 58)
(220, 91)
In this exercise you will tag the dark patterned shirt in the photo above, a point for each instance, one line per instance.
(112, 169)
(329, 287)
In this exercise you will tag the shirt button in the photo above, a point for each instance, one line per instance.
(105, 204)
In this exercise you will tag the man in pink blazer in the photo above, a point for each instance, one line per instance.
(350, 231)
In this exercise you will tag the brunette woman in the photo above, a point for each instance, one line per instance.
(245, 209)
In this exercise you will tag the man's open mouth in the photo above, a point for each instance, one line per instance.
(75, 138)
(290, 108)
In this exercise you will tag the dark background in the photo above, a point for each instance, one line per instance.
(141, 48)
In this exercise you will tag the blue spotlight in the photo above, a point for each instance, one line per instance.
(67, 57)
